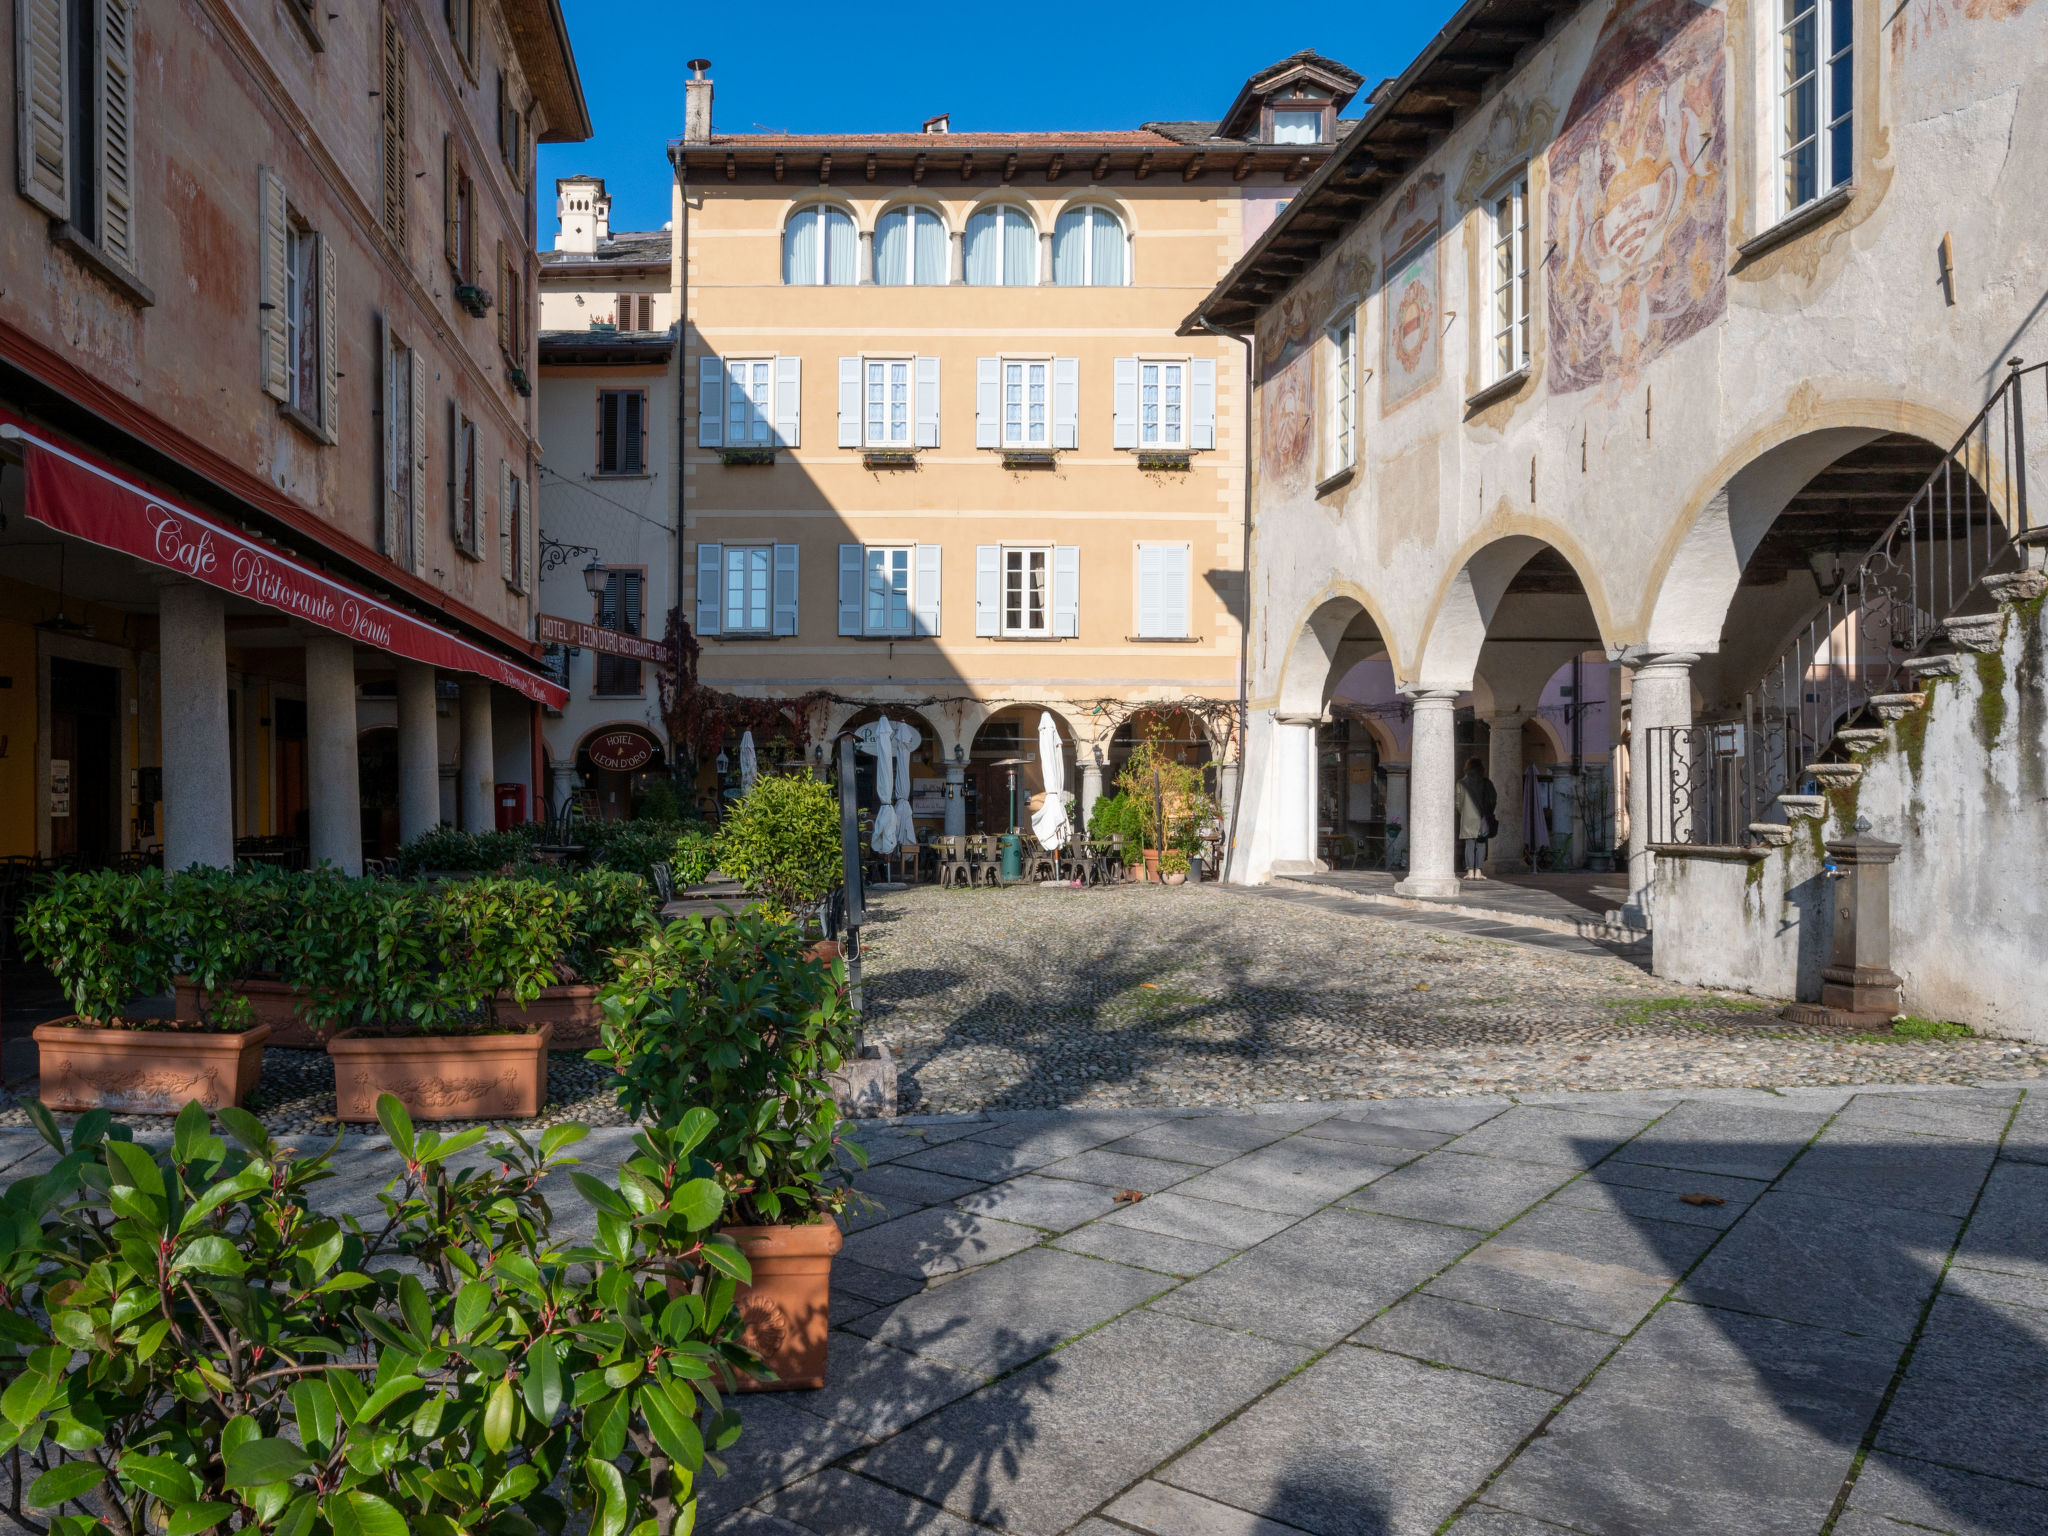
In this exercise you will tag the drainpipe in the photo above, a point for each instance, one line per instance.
(679, 280)
(1244, 627)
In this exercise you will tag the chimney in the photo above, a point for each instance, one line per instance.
(583, 213)
(943, 123)
(697, 104)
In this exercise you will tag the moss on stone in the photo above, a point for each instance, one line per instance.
(1991, 697)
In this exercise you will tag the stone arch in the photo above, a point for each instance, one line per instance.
(1470, 603)
(1341, 630)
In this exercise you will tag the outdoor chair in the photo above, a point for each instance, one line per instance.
(1040, 862)
(983, 866)
(954, 869)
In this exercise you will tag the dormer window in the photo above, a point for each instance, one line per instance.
(1292, 127)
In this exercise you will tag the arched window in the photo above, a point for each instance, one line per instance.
(1089, 249)
(910, 247)
(1002, 248)
(818, 246)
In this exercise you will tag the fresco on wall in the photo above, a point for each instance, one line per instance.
(1287, 391)
(1638, 200)
(1413, 320)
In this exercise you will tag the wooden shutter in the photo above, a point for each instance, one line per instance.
(927, 593)
(850, 564)
(789, 401)
(785, 589)
(330, 339)
(849, 405)
(988, 402)
(117, 131)
(988, 589)
(1066, 402)
(455, 472)
(274, 240)
(392, 102)
(710, 566)
(1202, 403)
(608, 432)
(42, 118)
(419, 462)
(633, 431)
(387, 510)
(1066, 591)
(710, 402)
(1148, 591)
(1173, 591)
(451, 207)
(522, 517)
(1124, 405)
(925, 377)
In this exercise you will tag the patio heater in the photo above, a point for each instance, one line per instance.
(1010, 765)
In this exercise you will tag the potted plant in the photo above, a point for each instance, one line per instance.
(110, 938)
(614, 910)
(235, 926)
(782, 843)
(734, 1017)
(1171, 804)
(215, 1354)
(1173, 866)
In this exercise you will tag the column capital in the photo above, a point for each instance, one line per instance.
(1296, 718)
(1642, 658)
(1500, 717)
(1431, 698)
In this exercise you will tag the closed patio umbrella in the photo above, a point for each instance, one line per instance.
(907, 741)
(878, 740)
(750, 765)
(1050, 822)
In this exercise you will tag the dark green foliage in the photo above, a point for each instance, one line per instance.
(102, 936)
(782, 841)
(447, 849)
(1116, 816)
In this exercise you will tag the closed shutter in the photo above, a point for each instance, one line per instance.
(927, 402)
(392, 103)
(608, 431)
(927, 593)
(1163, 591)
(42, 87)
(785, 589)
(1066, 591)
(508, 310)
(789, 401)
(849, 405)
(710, 403)
(419, 462)
(522, 520)
(1124, 405)
(1066, 402)
(451, 207)
(849, 588)
(274, 238)
(1148, 591)
(508, 545)
(988, 402)
(633, 432)
(988, 589)
(117, 131)
(330, 339)
(1202, 404)
(382, 396)
(709, 567)
(630, 616)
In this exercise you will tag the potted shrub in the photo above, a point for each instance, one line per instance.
(217, 1355)
(1161, 786)
(734, 1017)
(1173, 866)
(782, 843)
(231, 931)
(614, 911)
(421, 973)
(110, 938)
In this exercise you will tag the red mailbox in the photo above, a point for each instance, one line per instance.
(511, 806)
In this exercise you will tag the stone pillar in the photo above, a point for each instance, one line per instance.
(1045, 258)
(956, 799)
(1661, 695)
(1091, 788)
(477, 759)
(561, 785)
(956, 263)
(1504, 767)
(199, 802)
(866, 274)
(336, 814)
(1432, 791)
(419, 752)
(1858, 979)
(1294, 794)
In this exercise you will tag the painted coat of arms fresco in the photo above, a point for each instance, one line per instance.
(1638, 203)
(1413, 322)
(1287, 366)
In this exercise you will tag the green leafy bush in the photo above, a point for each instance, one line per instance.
(615, 911)
(102, 936)
(632, 846)
(189, 1346)
(221, 927)
(1173, 862)
(782, 841)
(658, 802)
(1159, 783)
(1116, 816)
(735, 1016)
(694, 857)
(458, 852)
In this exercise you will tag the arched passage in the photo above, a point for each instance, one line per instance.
(927, 766)
(1004, 781)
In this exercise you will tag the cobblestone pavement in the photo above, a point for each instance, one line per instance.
(1028, 998)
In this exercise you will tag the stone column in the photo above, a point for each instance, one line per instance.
(1045, 258)
(337, 810)
(1294, 794)
(956, 799)
(1661, 695)
(1858, 979)
(1091, 788)
(1432, 790)
(865, 275)
(199, 802)
(561, 785)
(419, 752)
(477, 759)
(1504, 767)
(956, 263)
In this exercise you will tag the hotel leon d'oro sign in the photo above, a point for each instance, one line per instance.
(620, 751)
(594, 637)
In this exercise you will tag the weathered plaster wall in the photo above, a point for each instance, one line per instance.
(1757, 924)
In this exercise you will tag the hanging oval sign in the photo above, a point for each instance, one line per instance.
(621, 751)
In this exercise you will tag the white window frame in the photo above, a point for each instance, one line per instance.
(1822, 21)
(1340, 424)
(910, 212)
(1171, 373)
(1090, 212)
(747, 551)
(823, 276)
(1024, 436)
(868, 553)
(1021, 554)
(875, 369)
(1508, 248)
(1003, 214)
(747, 403)
(1315, 135)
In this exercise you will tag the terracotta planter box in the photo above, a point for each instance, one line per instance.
(1147, 873)
(145, 1071)
(788, 1306)
(571, 1010)
(276, 1005)
(441, 1077)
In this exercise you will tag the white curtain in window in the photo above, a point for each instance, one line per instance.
(1070, 248)
(842, 248)
(910, 247)
(892, 248)
(1020, 250)
(800, 248)
(928, 265)
(1002, 248)
(1106, 247)
(985, 248)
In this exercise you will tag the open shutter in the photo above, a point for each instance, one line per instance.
(849, 408)
(710, 402)
(988, 589)
(988, 402)
(849, 588)
(1066, 402)
(710, 565)
(1066, 591)
(387, 511)
(927, 402)
(508, 544)
(785, 589)
(42, 86)
(117, 130)
(451, 207)
(329, 340)
(1202, 404)
(455, 528)
(789, 401)
(392, 105)
(273, 237)
(419, 462)
(522, 520)
(927, 593)
(1124, 405)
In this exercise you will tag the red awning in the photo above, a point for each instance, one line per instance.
(89, 501)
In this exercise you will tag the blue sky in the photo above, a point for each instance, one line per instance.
(812, 68)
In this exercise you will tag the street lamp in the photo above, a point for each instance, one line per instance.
(595, 577)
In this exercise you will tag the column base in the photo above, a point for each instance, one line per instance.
(1429, 887)
(1300, 867)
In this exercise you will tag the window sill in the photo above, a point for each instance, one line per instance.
(888, 458)
(640, 695)
(1030, 458)
(1499, 389)
(469, 554)
(132, 287)
(1338, 481)
(306, 424)
(1819, 211)
(1031, 639)
(1163, 639)
(1164, 458)
(608, 475)
(746, 634)
(734, 458)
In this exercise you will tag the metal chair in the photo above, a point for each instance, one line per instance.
(953, 866)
